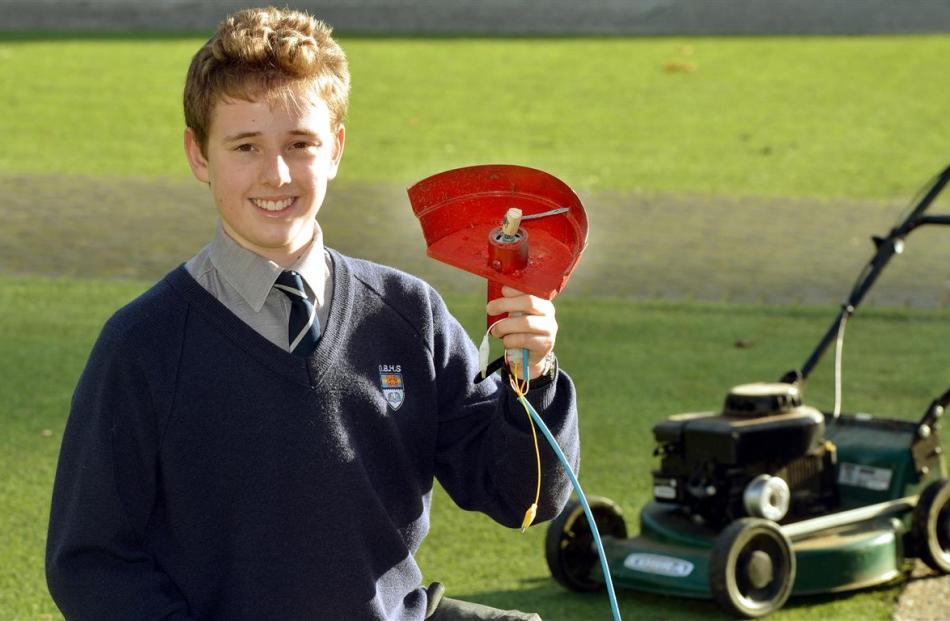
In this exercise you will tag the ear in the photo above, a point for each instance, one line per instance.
(337, 151)
(196, 159)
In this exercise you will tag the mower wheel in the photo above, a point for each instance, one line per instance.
(751, 568)
(569, 544)
(931, 525)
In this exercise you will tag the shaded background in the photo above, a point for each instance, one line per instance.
(494, 17)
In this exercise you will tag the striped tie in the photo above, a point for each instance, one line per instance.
(303, 329)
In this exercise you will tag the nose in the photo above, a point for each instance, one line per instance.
(276, 172)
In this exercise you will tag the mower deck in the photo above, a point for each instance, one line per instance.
(672, 554)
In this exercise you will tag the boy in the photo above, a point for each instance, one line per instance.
(256, 436)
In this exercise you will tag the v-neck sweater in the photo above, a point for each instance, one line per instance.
(208, 474)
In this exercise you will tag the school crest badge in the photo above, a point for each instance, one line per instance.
(390, 380)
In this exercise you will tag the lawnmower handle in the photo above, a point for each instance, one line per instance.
(887, 247)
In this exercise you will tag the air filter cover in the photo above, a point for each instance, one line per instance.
(762, 399)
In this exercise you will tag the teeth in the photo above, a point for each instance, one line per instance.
(272, 205)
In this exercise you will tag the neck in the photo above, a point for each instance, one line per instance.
(285, 256)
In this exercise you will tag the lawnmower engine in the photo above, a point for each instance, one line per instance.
(765, 455)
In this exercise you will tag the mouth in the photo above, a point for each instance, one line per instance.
(274, 206)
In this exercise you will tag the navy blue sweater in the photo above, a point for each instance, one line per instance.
(207, 474)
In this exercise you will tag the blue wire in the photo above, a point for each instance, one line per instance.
(614, 609)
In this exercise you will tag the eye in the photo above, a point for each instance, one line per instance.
(305, 145)
(244, 148)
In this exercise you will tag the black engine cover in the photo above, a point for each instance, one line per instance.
(737, 440)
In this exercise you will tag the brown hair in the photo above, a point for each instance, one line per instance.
(277, 55)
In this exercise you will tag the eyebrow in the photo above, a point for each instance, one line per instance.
(241, 136)
(304, 132)
(295, 132)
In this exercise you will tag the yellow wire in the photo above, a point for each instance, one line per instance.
(521, 392)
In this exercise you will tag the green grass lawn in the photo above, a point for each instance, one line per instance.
(634, 364)
(856, 117)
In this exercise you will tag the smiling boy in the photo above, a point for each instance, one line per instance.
(257, 436)
(268, 167)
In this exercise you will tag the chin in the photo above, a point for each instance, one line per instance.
(299, 237)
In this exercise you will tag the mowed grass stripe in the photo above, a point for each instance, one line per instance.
(641, 245)
(818, 117)
(633, 363)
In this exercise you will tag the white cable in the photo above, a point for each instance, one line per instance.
(839, 345)
(485, 348)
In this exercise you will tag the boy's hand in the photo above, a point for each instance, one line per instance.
(534, 329)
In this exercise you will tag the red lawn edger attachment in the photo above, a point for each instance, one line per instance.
(512, 225)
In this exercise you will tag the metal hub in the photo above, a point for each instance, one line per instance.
(759, 569)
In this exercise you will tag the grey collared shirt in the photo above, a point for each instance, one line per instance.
(244, 282)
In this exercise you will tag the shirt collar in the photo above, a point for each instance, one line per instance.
(253, 276)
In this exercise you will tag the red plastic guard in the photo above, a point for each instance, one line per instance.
(459, 208)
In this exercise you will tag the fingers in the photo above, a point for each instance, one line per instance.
(514, 301)
(523, 330)
(537, 347)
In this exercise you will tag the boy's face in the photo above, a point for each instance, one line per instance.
(268, 169)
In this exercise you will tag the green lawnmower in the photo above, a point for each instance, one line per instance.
(770, 497)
